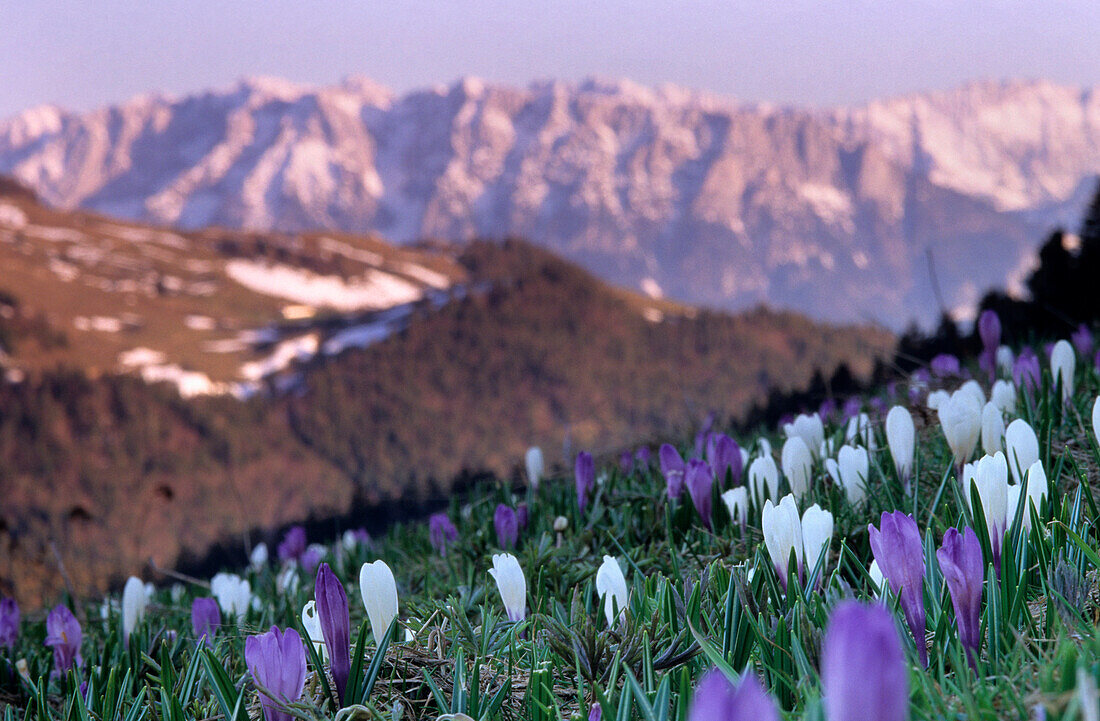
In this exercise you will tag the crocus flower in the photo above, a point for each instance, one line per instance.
(1003, 396)
(737, 503)
(961, 420)
(507, 526)
(441, 532)
(595, 713)
(817, 534)
(536, 466)
(699, 480)
(522, 515)
(332, 610)
(1021, 448)
(584, 472)
(611, 587)
(626, 462)
(511, 584)
(354, 538)
(277, 661)
(234, 593)
(763, 479)
(1025, 370)
(379, 590)
(863, 669)
(643, 455)
(782, 529)
(826, 410)
(312, 624)
(901, 438)
(1063, 364)
(672, 468)
(724, 456)
(1096, 419)
(1082, 340)
(851, 408)
(897, 548)
(859, 429)
(1005, 361)
(797, 465)
(993, 428)
(854, 469)
(960, 559)
(311, 559)
(716, 699)
(293, 544)
(133, 605)
(1037, 490)
(944, 365)
(989, 330)
(9, 622)
(205, 619)
(809, 428)
(258, 558)
(64, 635)
(990, 477)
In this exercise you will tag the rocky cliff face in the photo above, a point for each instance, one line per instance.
(837, 213)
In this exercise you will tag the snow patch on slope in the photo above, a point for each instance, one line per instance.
(373, 290)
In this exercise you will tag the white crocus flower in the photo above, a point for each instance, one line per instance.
(744, 456)
(961, 420)
(511, 584)
(854, 467)
(974, 388)
(737, 503)
(937, 398)
(901, 436)
(1037, 490)
(809, 428)
(993, 429)
(817, 534)
(258, 558)
(1004, 396)
(833, 469)
(1021, 448)
(611, 587)
(1096, 419)
(763, 479)
(1063, 365)
(536, 466)
(797, 465)
(782, 533)
(765, 446)
(1005, 360)
(287, 580)
(312, 623)
(859, 428)
(134, 601)
(877, 578)
(990, 476)
(828, 448)
(234, 593)
(379, 591)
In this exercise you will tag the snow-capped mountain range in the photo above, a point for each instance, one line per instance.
(841, 213)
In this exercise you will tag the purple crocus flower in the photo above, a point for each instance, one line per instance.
(878, 406)
(963, 568)
(584, 471)
(9, 622)
(897, 548)
(1025, 369)
(643, 456)
(827, 409)
(310, 559)
(205, 619)
(522, 515)
(704, 432)
(863, 674)
(945, 365)
(672, 468)
(699, 479)
(507, 526)
(293, 544)
(64, 635)
(626, 462)
(277, 661)
(724, 456)
(989, 330)
(332, 610)
(1082, 340)
(441, 532)
(716, 699)
(851, 408)
(595, 713)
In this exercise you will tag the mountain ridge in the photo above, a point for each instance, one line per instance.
(676, 191)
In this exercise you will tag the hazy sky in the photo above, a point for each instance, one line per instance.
(92, 52)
